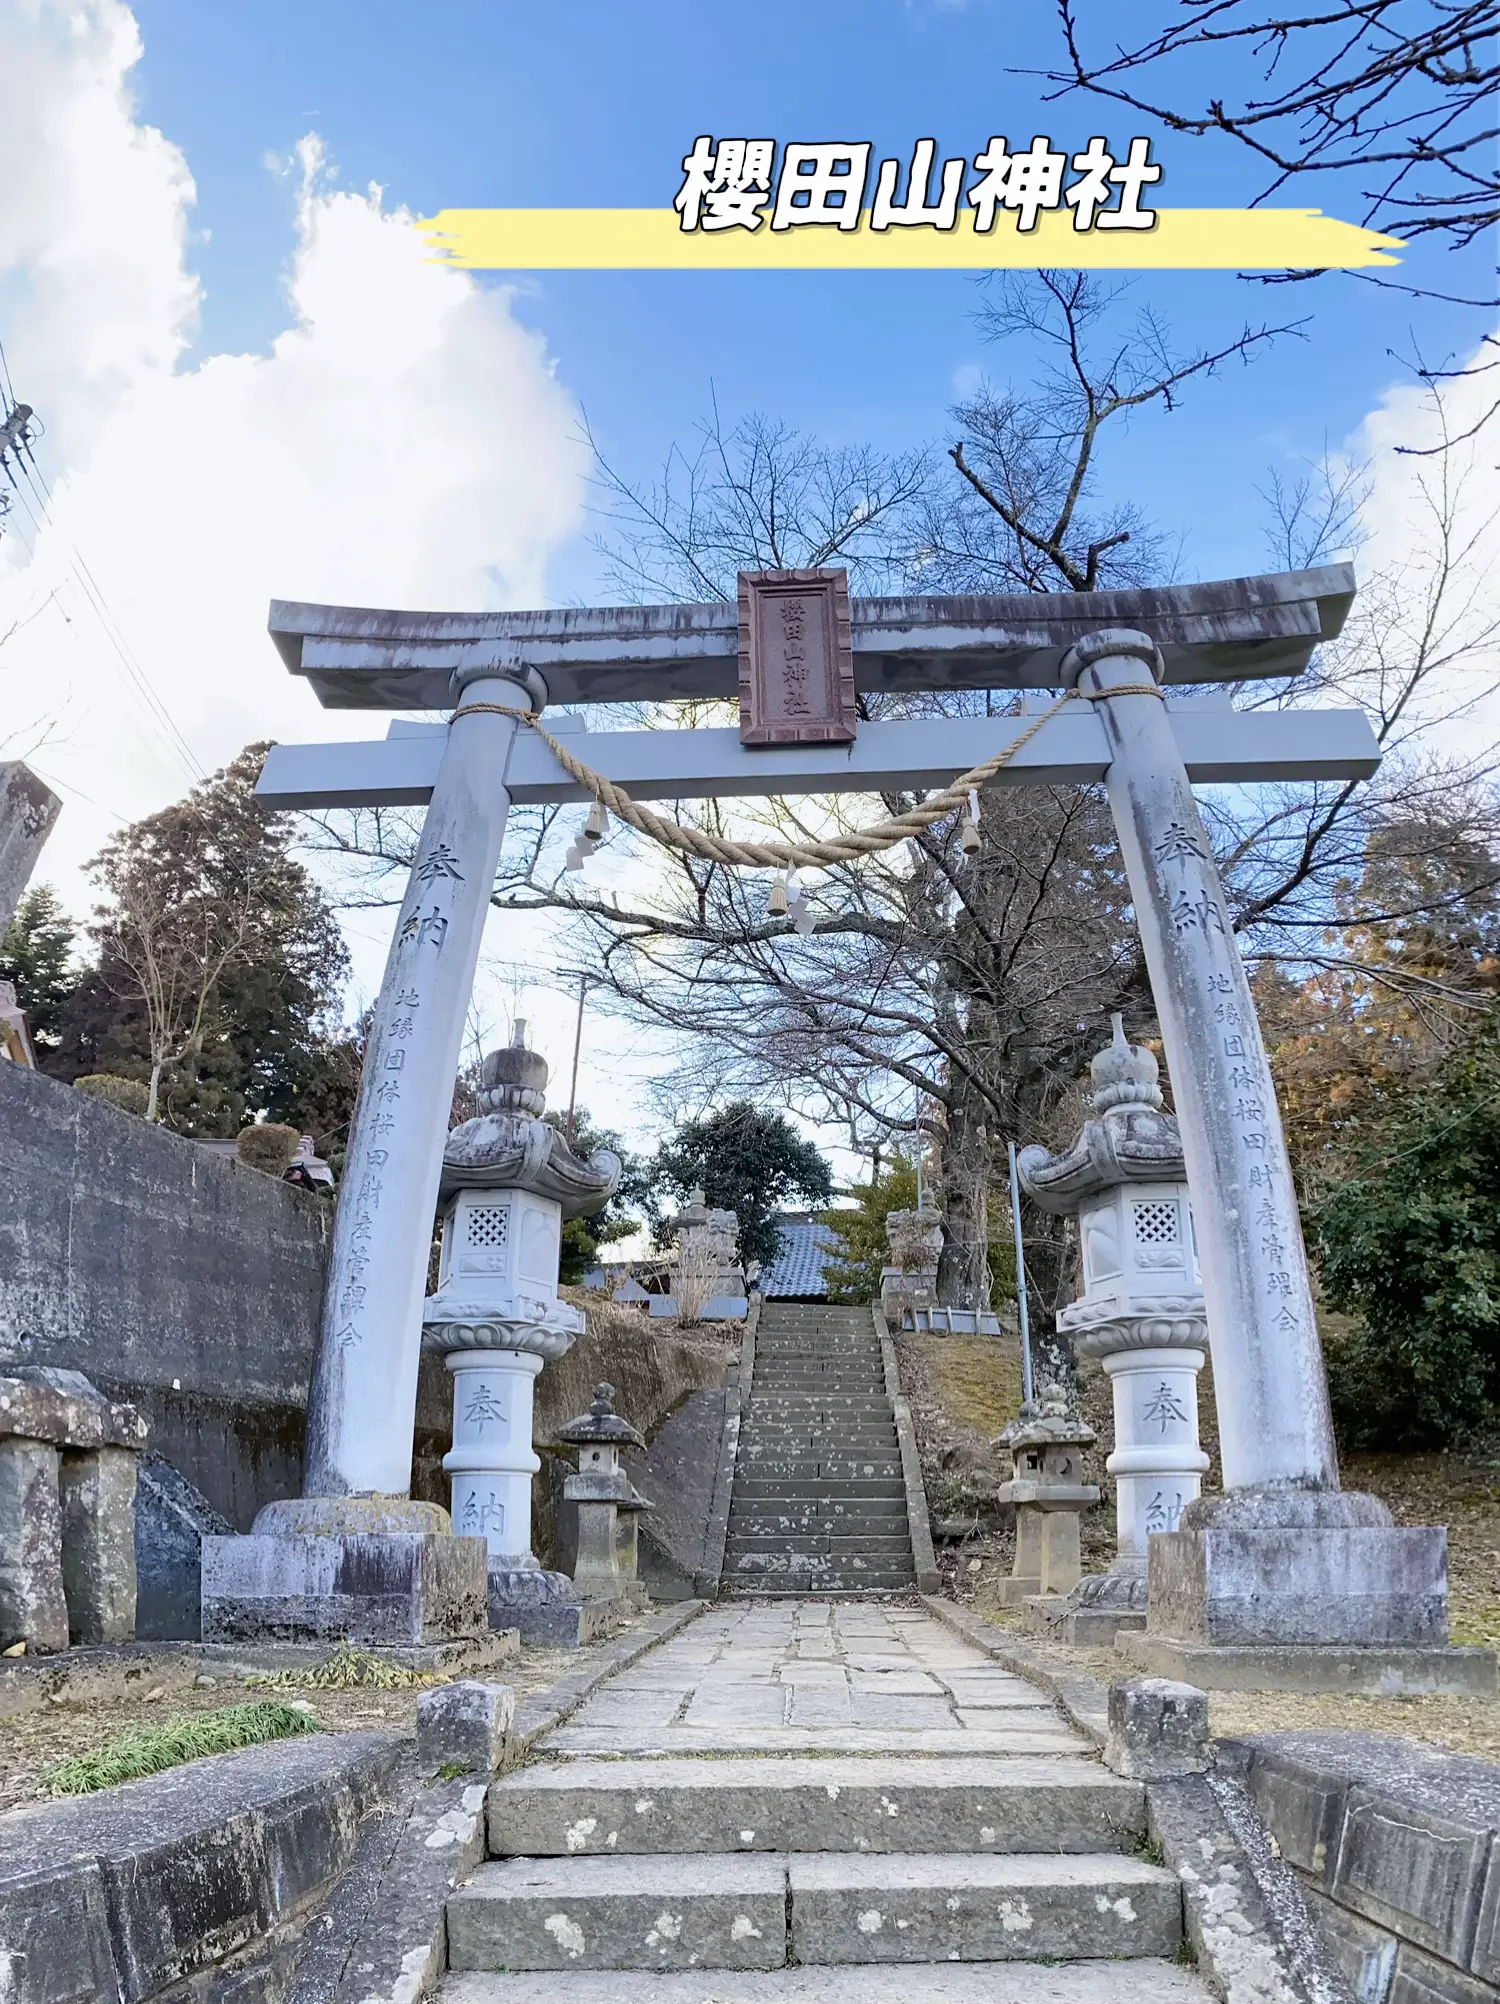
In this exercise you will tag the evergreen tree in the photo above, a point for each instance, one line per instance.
(747, 1161)
(219, 966)
(35, 955)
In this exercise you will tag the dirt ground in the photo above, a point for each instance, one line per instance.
(30, 1744)
(962, 1390)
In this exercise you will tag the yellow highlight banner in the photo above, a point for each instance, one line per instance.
(653, 240)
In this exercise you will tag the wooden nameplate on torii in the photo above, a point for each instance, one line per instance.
(796, 658)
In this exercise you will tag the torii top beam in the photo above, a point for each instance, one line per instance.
(1235, 629)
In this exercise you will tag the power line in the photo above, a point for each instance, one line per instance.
(17, 453)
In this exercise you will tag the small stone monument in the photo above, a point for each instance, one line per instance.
(909, 1281)
(68, 1462)
(627, 1543)
(509, 1180)
(708, 1282)
(599, 1489)
(1047, 1488)
(1141, 1315)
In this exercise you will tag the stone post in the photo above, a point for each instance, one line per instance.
(627, 1523)
(97, 1489)
(1275, 1430)
(598, 1489)
(28, 814)
(33, 1606)
(363, 1399)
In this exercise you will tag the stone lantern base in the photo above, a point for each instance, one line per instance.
(1100, 1607)
(1304, 1591)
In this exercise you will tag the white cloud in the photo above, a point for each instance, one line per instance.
(1421, 498)
(404, 442)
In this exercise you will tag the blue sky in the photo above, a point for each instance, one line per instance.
(591, 104)
(254, 385)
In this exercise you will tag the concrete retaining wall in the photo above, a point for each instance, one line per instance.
(171, 1276)
(1399, 1851)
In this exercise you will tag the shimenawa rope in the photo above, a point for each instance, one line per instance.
(790, 855)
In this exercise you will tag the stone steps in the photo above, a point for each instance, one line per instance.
(818, 1445)
(783, 1804)
(1143, 1981)
(759, 1911)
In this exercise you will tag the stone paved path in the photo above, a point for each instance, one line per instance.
(817, 1802)
(816, 1677)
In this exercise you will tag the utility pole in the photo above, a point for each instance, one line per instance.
(583, 989)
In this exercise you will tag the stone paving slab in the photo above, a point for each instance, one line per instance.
(1145, 1981)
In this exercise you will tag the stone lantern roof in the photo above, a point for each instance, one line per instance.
(508, 1146)
(601, 1425)
(1046, 1422)
(1131, 1140)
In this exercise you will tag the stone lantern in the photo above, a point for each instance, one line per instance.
(1141, 1313)
(709, 1284)
(509, 1181)
(1049, 1493)
(909, 1280)
(600, 1489)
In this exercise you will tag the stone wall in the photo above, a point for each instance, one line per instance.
(1398, 1848)
(171, 1276)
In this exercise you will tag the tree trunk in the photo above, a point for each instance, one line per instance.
(154, 1092)
(963, 1265)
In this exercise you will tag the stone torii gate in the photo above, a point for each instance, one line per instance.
(797, 650)
(1268, 1366)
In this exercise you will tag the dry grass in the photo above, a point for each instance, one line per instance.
(32, 1744)
(963, 1389)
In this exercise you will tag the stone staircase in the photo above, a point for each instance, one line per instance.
(1013, 1874)
(818, 1503)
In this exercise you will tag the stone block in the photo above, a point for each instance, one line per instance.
(97, 1491)
(465, 1725)
(1238, 1578)
(1412, 1870)
(54, 1933)
(1157, 1729)
(33, 1607)
(1484, 1959)
(1303, 1808)
(1422, 1979)
(391, 1588)
(172, 1519)
(1369, 1670)
(44, 1402)
(1365, 1955)
(620, 1913)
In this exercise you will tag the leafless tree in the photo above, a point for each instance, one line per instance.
(967, 992)
(1398, 94)
(168, 954)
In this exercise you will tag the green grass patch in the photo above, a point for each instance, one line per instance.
(347, 1669)
(153, 1749)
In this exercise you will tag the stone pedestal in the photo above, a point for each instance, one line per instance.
(491, 1460)
(97, 1495)
(377, 1588)
(1300, 1590)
